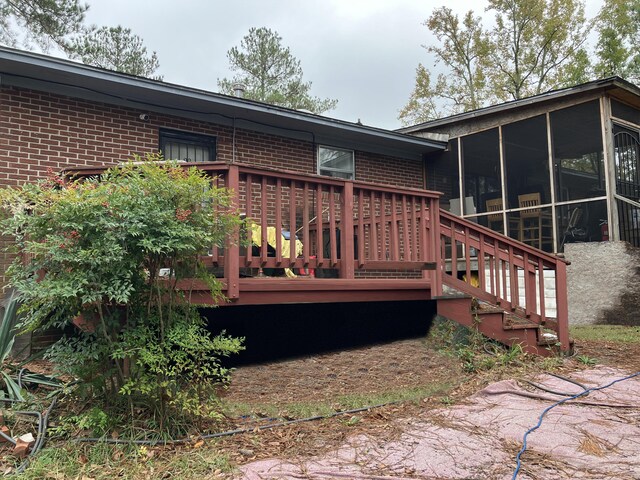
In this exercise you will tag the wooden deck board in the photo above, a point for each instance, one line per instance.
(268, 290)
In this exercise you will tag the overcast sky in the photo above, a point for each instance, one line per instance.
(362, 52)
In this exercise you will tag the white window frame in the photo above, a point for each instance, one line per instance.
(321, 169)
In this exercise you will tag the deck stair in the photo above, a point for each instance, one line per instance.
(505, 289)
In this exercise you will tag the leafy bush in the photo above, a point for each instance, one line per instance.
(108, 253)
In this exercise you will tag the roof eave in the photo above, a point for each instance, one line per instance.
(606, 83)
(113, 87)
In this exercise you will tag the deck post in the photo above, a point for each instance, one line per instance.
(436, 247)
(562, 306)
(346, 235)
(232, 247)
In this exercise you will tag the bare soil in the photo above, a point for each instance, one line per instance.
(375, 369)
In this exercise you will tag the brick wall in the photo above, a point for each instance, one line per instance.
(371, 167)
(39, 131)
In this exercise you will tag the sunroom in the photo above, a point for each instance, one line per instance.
(554, 169)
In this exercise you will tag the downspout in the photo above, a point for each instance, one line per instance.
(233, 141)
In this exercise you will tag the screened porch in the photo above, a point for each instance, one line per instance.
(563, 176)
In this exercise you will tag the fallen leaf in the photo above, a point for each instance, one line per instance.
(117, 454)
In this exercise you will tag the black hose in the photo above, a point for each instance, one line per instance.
(7, 437)
(570, 380)
(556, 392)
(42, 433)
(548, 390)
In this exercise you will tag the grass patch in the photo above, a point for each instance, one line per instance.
(108, 461)
(606, 333)
(340, 403)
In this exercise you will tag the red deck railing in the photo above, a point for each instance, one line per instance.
(353, 231)
(331, 224)
(508, 273)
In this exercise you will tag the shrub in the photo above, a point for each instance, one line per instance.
(97, 249)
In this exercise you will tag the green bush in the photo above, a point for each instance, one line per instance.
(97, 249)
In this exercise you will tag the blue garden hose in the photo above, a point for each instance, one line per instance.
(560, 402)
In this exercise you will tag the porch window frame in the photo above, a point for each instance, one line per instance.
(321, 168)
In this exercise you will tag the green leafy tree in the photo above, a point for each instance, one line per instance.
(422, 105)
(270, 73)
(97, 252)
(40, 22)
(535, 46)
(463, 50)
(618, 27)
(115, 48)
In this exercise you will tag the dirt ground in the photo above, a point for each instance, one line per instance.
(398, 365)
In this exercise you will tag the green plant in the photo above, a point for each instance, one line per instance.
(95, 420)
(513, 354)
(97, 250)
(447, 401)
(586, 360)
(12, 390)
(352, 421)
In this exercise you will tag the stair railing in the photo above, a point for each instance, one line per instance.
(494, 268)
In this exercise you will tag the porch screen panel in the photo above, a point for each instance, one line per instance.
(625, 112)
(442, 173)
(481, 169)
(582, 222)
(629, 221)
(577, 152)
(526, 160)
(626, 152)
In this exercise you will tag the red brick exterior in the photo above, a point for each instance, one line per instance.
(39, 131)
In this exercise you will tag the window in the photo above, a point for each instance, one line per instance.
(188, 147)
(336, 162)
(577, 152)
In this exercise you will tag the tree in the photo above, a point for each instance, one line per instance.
(43, 22)
(535, 46)
(270, 73)
(422, 105)
(463, 49)
(618, 27)
(115, 48)
(97, 249)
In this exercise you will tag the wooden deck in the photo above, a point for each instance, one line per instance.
(378, 243)
(269, 291)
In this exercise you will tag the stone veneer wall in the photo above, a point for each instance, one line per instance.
(603, 283)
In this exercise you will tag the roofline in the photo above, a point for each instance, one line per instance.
(608, 82)
(71, 69)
